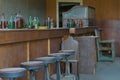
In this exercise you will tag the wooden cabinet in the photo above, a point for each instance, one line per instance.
(87, 51)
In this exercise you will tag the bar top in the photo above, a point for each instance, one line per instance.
(22, 35)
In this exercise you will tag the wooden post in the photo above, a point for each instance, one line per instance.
(49, 52)
(28, 58)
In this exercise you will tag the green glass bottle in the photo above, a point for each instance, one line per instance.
(70, 23)
(11, 23)
(30, 22)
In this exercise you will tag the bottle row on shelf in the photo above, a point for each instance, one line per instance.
(35, 23)
(15, 22)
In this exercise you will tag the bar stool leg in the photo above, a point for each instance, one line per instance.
(46, 72)
(67, 66)
(78, 71)
(32, 75)
(58, 70)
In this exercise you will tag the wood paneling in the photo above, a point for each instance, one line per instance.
(13, 36)
(51, 9)
(55, 46)
(87, 58)
(105, 10)
(87, 30)
(12, 55)
(38, 48)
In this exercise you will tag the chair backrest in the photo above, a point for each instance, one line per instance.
(105, 48)
(97, 33)
(71, 44)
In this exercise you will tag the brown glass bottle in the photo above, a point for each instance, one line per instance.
(3, 24)
(19, 23)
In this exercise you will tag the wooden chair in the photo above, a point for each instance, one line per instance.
(105, 48)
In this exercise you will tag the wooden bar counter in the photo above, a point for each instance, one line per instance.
(22, 45)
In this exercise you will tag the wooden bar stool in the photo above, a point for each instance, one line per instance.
(46, 60)
(12, 73)
(67, 54)
(68, 75)
(32, 66)
(59, 57)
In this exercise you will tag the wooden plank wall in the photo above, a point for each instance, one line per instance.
(105, 10)
(51, 9)
(108, 19)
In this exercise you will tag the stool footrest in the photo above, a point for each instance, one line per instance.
(71, 61)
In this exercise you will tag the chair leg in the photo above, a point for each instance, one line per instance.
(58, 70)
(46, 72)
(32, 75)
(67, 66)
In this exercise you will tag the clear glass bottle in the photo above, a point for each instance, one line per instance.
(35, 22)
(52, 24)
(49, 22)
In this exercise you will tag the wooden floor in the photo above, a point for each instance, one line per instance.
(104, 71)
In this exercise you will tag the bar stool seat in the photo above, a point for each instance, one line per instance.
(59, 57)
(32, 65)
(67, 52)
(12, 72)
(46, 60)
